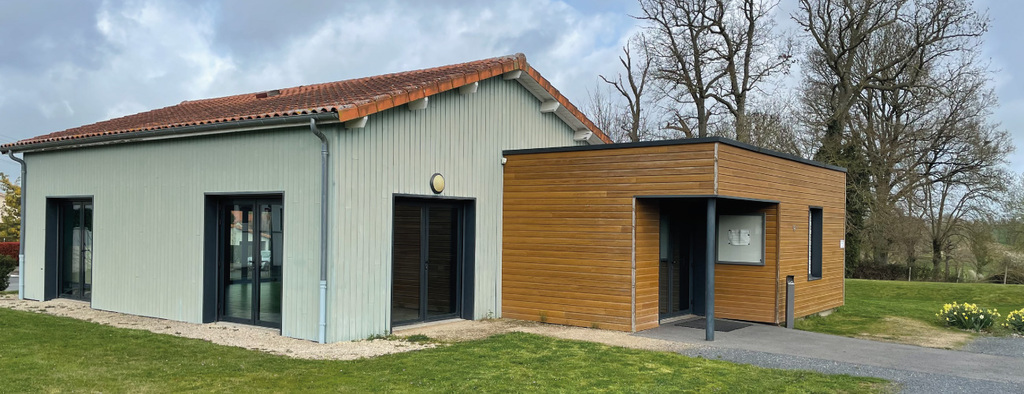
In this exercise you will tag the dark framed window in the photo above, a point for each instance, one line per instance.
(814, 234)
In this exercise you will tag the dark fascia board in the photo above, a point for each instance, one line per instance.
(176, 132)
(704, 196)
(686, 141)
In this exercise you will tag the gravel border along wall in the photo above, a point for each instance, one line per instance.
(270, 341)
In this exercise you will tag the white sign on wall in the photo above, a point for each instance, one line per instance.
(741, 239)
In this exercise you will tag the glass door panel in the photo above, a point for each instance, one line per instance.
(70, 251)
(406, 263)
(441, 263)
(75, 256)
(239, 273)
(270, 257)
(86, 253)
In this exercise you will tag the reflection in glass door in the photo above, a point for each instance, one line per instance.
(674, 272)
(75, 250)
(426, 260)
(251, 261)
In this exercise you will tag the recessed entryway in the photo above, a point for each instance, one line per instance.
(681, 260)
(429, 259)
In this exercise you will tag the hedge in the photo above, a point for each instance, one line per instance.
(9, 249)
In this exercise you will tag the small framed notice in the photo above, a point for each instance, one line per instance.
(741, 239)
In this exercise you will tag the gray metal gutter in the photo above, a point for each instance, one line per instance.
(177, 132)
(21, 230)
(322, 330)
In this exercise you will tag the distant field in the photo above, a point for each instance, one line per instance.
(905, 311)
(43, 353)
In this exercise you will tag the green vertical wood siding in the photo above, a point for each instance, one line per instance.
(149, 199)
(459, 136)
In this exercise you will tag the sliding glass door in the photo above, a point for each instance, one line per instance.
(251, 261)
(426, 260)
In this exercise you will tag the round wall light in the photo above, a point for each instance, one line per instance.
(437, 183)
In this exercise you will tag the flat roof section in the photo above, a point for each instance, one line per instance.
(688, 141)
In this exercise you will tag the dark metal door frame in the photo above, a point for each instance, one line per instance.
(459, 250)
(62, 220)
(223, 206)
(677, 237)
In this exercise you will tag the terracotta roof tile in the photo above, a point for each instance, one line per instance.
(350, 99)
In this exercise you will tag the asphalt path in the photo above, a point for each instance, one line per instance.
(14, 283)
(916, 369)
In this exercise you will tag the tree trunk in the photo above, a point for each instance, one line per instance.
(936, 258)
(742, 124)
(702, 121)
(946, 272)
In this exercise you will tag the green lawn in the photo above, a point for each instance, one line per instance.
(875, 307)
(42, 353)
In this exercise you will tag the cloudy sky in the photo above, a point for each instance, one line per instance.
(68, 63)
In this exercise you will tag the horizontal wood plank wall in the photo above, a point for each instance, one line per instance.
(797, 186)
(648, 253)
(748, 292)
(568, 229)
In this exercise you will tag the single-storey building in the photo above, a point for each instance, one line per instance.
(341, 210)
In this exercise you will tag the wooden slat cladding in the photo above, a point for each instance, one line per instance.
(747, 292)
(567, 244)
(797, 186)
(647, 267)
(580, 247)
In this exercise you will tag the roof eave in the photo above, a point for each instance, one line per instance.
(174, 132)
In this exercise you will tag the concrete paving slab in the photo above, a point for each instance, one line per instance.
(810, 345)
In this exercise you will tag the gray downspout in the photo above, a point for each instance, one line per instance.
(21, 231)
(322, 331)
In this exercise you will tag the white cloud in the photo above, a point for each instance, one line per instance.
(144, 54)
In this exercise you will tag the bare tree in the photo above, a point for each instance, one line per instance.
(962, 167)
(750, 52)
(681, 36)
(607, 114)
(871, 86)
(633, 88)
(842, 31)
(714, 52)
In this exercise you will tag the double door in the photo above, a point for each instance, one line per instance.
(251, 241)
(426, 261)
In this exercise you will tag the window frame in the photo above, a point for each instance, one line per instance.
(815, 242)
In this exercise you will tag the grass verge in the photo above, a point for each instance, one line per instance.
(45, 353)
(904, 312)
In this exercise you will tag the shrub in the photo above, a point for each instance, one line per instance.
(967, 316)
(1015, 321)
(7, 265)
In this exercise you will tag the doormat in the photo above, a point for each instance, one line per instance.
(720, 325)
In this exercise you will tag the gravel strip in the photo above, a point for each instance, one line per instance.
(467, 330)
(1000, 346)
(911, 382)
(229, 334)
(270, 341)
